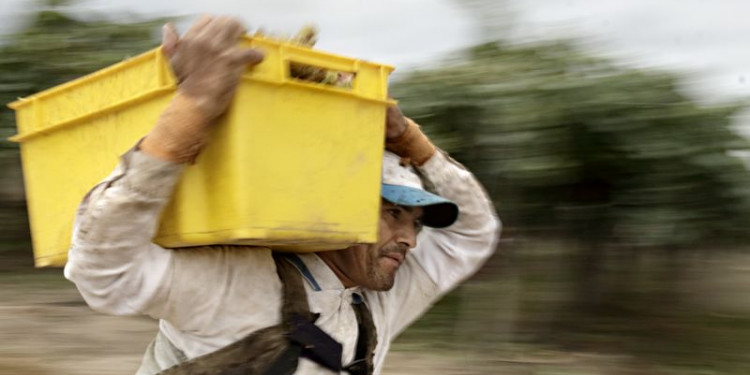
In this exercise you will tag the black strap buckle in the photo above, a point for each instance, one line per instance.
(316, 345)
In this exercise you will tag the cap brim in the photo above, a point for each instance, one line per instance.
(438, 211)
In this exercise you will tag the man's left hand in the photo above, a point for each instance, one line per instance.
(395, 123)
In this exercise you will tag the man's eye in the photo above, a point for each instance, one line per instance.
(418, 224)
(395, 212)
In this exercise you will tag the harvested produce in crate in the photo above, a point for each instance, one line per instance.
(307, 37)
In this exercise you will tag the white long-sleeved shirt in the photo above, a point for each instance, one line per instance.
(207, 298)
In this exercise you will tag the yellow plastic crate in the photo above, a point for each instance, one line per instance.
(294, 165)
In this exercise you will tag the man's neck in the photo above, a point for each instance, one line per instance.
(331, 259)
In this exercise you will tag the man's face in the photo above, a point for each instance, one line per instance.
(374, 266)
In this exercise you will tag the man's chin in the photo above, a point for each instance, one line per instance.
(382, 288)
(383, 284)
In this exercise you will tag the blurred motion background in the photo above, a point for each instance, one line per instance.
(611, 136)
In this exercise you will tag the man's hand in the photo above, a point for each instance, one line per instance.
(207, 62)
(395, 123)
(208, 65)
(404, 138)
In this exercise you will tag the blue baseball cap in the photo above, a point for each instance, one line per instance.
(402, 186)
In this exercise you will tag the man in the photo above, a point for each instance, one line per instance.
(208, 298)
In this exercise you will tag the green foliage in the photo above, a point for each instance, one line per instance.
(53, 48)
(579, 145)
(56, 47)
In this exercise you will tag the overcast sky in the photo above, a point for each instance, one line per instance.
(707, 40)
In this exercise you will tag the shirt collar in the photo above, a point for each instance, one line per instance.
(321, 274)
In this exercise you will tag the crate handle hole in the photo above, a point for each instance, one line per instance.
(316, 74)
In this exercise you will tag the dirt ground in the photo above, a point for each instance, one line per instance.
(45, 332)
(46, 328)
(53, 332)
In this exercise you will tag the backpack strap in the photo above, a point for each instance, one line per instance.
(294, 296)
(323, 349)
(367, 340)
(276, 350)
(306, 339)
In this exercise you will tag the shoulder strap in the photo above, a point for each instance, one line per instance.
(363, 363)
(305, 338)
(276, 350)
(294, 312)
(294, 296)
(326, 351)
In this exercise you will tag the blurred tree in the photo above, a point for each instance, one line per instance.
(578, 148)
(571, 144)
(53, 48)
(615, 159)
(584, 151)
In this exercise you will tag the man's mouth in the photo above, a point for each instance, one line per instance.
(396, 257)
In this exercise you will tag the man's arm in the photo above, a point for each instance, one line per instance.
(443, 257)
(112, 259)
(452, 254)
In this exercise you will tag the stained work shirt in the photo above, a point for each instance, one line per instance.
(206, 298)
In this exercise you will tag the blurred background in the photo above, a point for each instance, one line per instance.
(611, 136)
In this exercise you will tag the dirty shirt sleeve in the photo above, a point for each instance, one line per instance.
(443, 257)
(112, 261)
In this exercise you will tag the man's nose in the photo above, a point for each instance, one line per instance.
(407, 236)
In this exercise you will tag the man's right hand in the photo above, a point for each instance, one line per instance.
(208, 66)
(207, 62)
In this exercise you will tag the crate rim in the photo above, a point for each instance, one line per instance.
(23, 101)
(168, 84)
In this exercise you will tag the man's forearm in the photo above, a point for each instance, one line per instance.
(180, 133)
(412, 144)
(451, 254)
(112, 259)
(443, 257)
